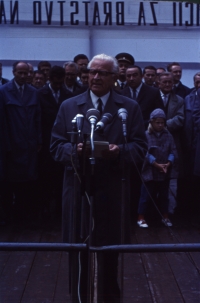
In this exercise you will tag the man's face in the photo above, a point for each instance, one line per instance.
(101, 83)
(38, 80)
(123, 65)
(56, 83)
(133, 77)
(45, 69)
(158, 72)
(30, 74)
(84, 78)
(166, 84)
(149, 76)
(70, 75)
(176, 72)
(82, 63)
(21, 73)
(197, 82)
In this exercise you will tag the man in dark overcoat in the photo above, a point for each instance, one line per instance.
(174, 110)
(107, 187)
(50, 172)
(147, 97)
(23, 122)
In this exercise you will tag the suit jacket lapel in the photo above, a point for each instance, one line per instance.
(14, 91)
(141, 93)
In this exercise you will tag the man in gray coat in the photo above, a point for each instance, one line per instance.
(107, 186)
(174, 110)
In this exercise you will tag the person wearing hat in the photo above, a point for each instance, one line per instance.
(160, 165)
(124, 60)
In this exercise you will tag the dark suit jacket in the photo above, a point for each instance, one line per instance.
(108, 172)
(149, 98)
(181, 90)
(23, 121)
(175, 121)
(49, 110)
(4, 81)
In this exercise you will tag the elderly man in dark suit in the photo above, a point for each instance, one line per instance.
(147, 97)
(51, 173)
(108, 170)
(174, 110)
(178, 88)
(23, 121)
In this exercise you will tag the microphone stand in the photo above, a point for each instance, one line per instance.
(73, 256)
(123, 183)
(92, 162)
(122, 113)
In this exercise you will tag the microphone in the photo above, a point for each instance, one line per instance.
(79, 123)
(92, 115)
(123, 114)
(106, 119)
(74, 130)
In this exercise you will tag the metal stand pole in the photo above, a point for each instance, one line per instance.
(123, 183)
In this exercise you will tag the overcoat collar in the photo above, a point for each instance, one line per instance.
(114, 102)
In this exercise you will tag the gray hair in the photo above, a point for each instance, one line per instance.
(112, 60)
(71, 63)
(165, 74)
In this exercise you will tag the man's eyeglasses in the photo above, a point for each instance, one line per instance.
(101, 73)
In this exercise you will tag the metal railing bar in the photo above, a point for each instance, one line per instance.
(134, 248)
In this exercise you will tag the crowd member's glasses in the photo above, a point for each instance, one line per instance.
(101, 73)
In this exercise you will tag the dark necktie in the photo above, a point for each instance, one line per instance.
(21, 91)
(122, 85)
(134, 93)
(174, 89)
(165, 99)
(100, 105)
(56, 96)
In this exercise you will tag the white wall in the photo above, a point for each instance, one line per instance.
(156, 45)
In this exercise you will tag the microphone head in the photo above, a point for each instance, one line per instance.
(106, 119)
(122, 113)
(79, 122)
(93, 114)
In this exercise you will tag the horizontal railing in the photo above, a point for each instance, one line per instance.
(129, 248)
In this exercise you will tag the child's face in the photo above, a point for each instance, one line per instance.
(158, 124)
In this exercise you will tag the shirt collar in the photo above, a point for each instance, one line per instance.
(120, 82)
(53, 91)
(94, 98)
(162, 94)
(18, 86)
(71, 89)
(138, 88)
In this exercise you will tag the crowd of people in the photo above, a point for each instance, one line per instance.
(153, 144)
(31, 181)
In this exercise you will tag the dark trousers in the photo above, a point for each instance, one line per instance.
(154, 189)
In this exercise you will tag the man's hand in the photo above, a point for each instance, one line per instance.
(113, 152)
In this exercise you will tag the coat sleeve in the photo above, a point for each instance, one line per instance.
(176, 116)
(136, 144)
(60, 148)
